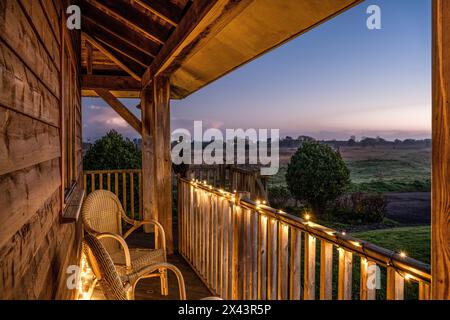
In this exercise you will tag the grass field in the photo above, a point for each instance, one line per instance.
(378, 169)
(414, 241)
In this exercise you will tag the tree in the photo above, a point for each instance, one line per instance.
(317, 174)
(112, 152)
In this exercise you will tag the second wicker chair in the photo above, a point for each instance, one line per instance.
(102, 217)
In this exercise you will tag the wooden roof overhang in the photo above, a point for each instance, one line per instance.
(126, 43)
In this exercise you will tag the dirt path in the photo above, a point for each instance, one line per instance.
(410, 208)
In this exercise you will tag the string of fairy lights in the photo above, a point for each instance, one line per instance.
(341, 239)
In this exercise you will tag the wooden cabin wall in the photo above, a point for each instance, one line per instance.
(35, 246)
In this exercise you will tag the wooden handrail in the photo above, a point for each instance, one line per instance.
(267, 243)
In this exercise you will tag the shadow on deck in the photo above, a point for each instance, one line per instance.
(149, 289)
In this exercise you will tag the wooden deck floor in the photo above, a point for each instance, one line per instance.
(149, 289)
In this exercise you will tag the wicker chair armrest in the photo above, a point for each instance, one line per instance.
(145, 272)
(122, 243)
(138, 224)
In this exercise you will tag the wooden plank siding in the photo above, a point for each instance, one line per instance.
(35, 247)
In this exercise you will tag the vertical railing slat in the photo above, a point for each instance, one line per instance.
(116, 183)
(109, 181)
(272, 267)
(226, 242)
(230, 237)
(295, 264)
(236, 262)
(132, 195)
(246, 285)
(310, 268)
(345, 275)
(283, 264)
(424, 291)
(368, 280)
(326, 270)
(394, 285)
(262, 257)
(92, 182)
(124, 192)
(254, 255)
(215, 244)
(220, 245)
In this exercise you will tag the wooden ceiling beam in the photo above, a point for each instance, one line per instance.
(112, 56)
(164, 10)
(119, 29)
(190, 20)
(117, 43)
(134, 18)
(89, 59)
(203, 18)
(133, 65)
(123, 111)
(111, 83)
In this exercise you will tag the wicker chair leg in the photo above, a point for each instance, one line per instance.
(164, 282)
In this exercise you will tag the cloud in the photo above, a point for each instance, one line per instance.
(97, 121)
(95, 107)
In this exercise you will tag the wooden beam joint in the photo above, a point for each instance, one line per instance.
(123, 111)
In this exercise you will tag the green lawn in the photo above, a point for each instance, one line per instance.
(415, 241)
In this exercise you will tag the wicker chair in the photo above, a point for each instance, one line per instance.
(114, 285)
(102, 216)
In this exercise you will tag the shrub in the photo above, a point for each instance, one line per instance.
(317, 174)
(361, 207)
(279, 196)
(112, 152)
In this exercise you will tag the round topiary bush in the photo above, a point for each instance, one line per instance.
(316, 175)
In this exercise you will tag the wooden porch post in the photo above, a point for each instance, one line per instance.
(440, 242)
(156, 158)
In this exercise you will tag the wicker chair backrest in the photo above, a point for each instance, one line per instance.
(102, 212)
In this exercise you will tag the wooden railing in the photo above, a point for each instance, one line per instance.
(243, 249)
(231, 177)
(249, 180)
(126, 184)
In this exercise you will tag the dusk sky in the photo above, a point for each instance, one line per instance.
(337, 80)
